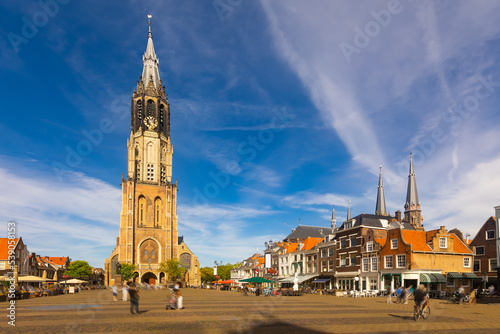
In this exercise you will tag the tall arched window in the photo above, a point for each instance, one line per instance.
(158, 205)
(151, 108)
(141, 214)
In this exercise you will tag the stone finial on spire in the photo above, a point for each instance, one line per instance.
(349, 210)
(150, 71)
(333, 220)
(380, 205)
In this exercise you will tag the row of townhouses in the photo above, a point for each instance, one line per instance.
(379, 252)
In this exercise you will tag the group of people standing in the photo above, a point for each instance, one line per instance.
(129, 289)
(402, 295)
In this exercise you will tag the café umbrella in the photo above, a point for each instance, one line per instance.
(255, 280)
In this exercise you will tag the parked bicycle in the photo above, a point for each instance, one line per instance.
(421, 311)
(458, 298)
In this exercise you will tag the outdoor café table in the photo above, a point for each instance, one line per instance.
(434, 293)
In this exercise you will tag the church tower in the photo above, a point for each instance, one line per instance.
(412, 212)
(148, 219)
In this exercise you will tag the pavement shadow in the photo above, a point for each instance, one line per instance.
(405, 317)
(273, 326)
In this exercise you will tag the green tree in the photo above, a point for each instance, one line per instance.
(172, 268)
(79, 269)
(207, 274)
(127, 271)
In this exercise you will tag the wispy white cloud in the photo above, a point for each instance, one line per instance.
(76, 218)
(222, 232)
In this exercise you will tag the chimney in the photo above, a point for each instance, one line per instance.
(398, 216)
(117, 241)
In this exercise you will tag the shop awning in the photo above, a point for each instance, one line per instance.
(432, 278)
(321, 280)
(439, 278)
(305, 278)
(454, 275)
(469, 275)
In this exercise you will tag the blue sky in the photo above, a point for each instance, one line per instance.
(279, 110)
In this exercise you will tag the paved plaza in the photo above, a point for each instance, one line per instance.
(231, 312)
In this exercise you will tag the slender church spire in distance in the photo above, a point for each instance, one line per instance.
(412, 202)
(349, 210)
(412, 206)
(380, 206)
(333, 220)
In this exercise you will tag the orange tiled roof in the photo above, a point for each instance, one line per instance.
(310, 242)
(459, 246)
(417, 239)
(4, 247)
(381, 241)
(291, 247)
(61, 261)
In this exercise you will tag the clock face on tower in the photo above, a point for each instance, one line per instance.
(151, 122)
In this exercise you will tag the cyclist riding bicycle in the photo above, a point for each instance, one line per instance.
(421, 297)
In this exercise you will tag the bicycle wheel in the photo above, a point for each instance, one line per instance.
(426, 312)
(416, 313)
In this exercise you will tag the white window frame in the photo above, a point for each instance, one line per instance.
(385, 262)
(394, 242)
(397, 261)
(448, 280)
(465, 282)
(331, 252)
(486, 235)
(369, 246)
(475, 250)
(372, 262)
(366, 264)
(467, 261)
(443, 242)
(490, 269)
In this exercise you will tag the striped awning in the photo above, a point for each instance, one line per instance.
(469, 275)
(432, 278)
(454, 275)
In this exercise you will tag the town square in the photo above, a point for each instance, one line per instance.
(335, 167)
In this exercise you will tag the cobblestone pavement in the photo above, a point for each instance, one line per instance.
(230, 312)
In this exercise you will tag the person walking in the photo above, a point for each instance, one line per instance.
(115, 293)
(125, 291)
(472, 299)
(389, 295)
(134, 298)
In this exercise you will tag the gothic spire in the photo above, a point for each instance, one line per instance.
(349, 210)
(333, 220)
(380, 206)
(412, 202)
(150, 61)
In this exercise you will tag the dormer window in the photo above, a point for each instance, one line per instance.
(443, 242)
(369, 246)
